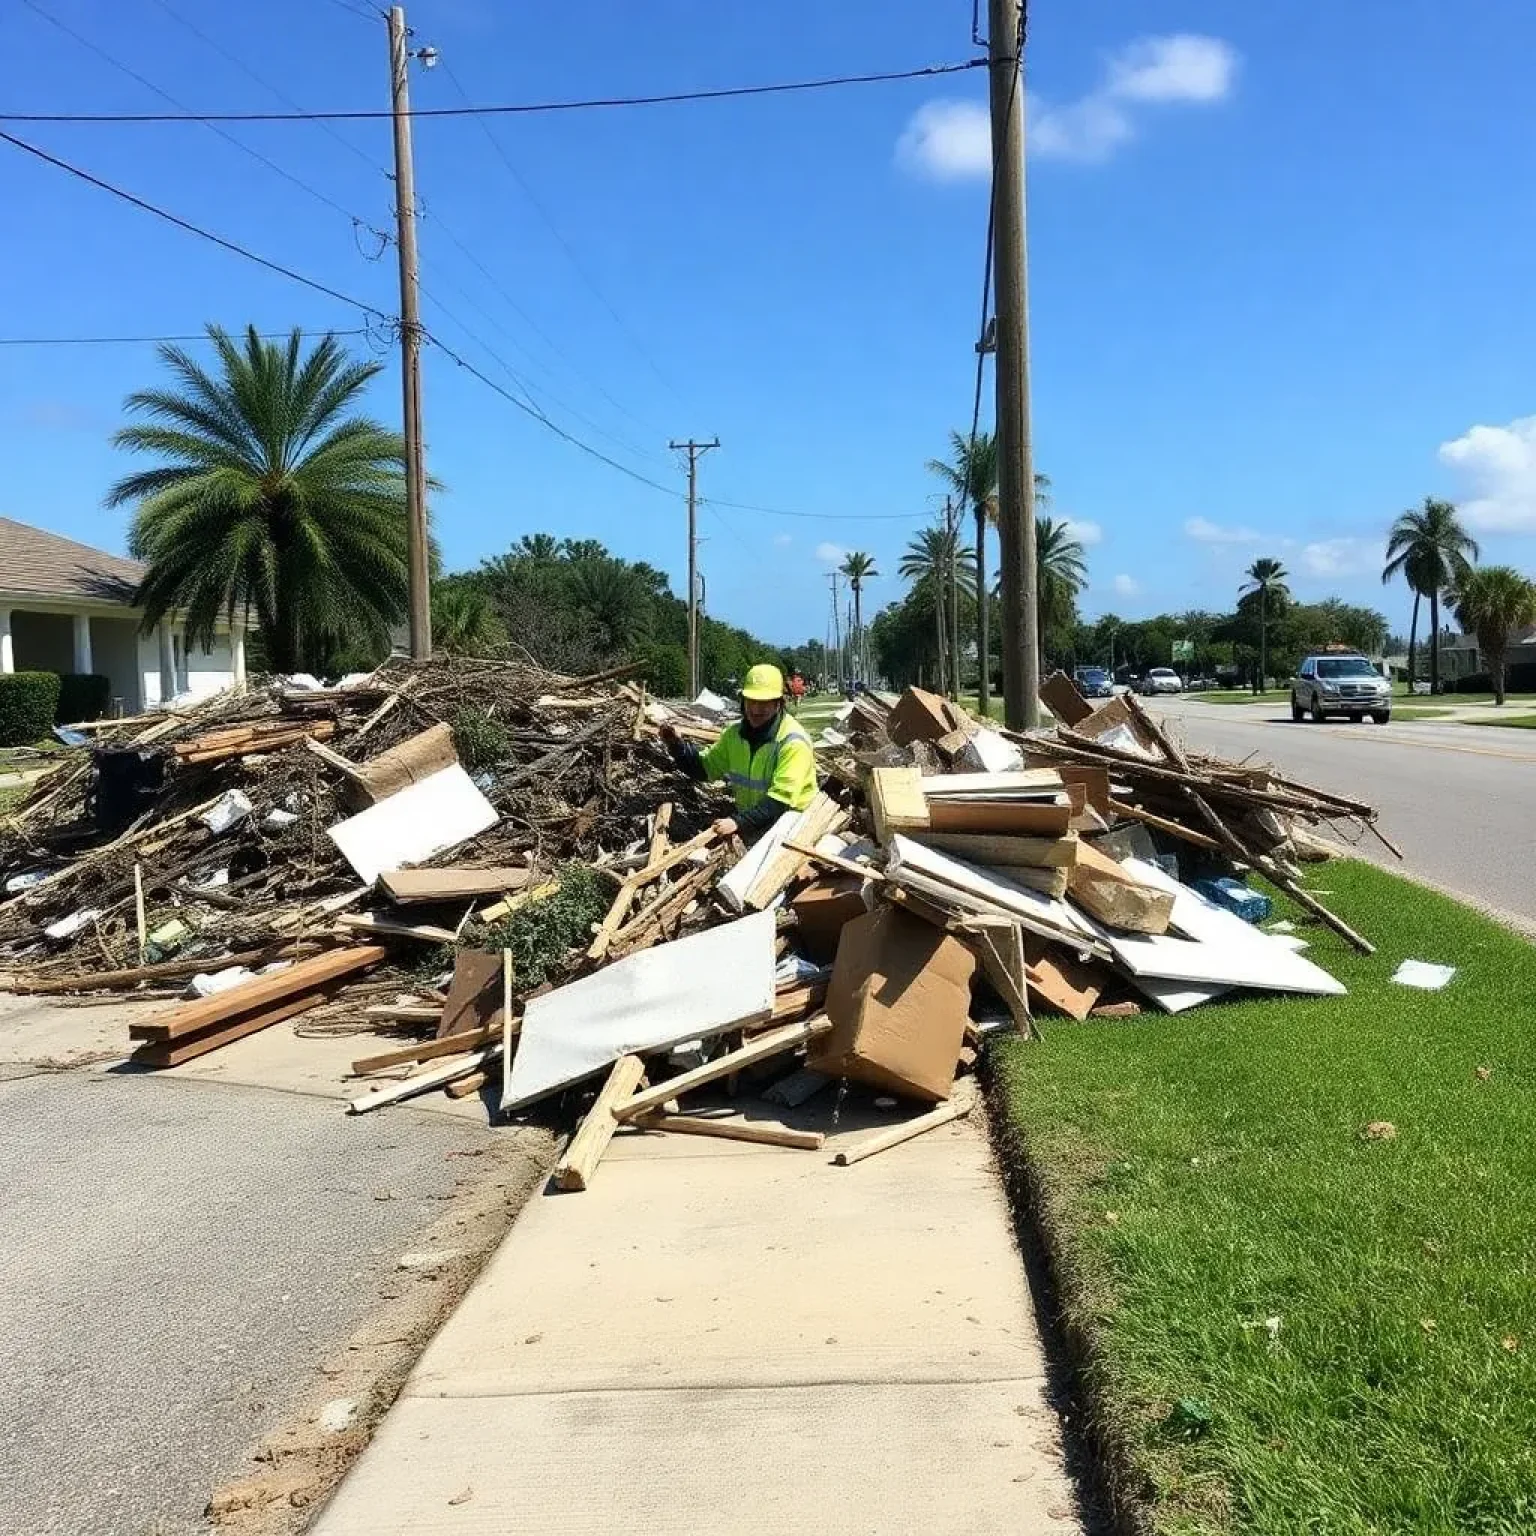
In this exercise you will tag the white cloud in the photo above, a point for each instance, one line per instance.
(1498, 464)
(831, 554)
(783, 540)
(1203, 531)
(1181, 67)
(1343, 557)
(1088, 130)
(947, 141)
(1126, 586)
(1083, 531)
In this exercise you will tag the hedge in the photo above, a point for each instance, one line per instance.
(27, 704)
(83, 696)
(1519, 677)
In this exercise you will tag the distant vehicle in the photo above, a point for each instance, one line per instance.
(1161, 680)
(1092, 682)
(1340, 685)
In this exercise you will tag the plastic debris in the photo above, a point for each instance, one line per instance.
(1423, 974)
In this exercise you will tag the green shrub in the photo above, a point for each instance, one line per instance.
(83, 696)
(27, 704)
(666, 670)
(542, 935)
(480, 741)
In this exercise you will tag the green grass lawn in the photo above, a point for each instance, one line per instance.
(1519, 722)
(1288, 1326)
(1416, 712)
(1243, 696)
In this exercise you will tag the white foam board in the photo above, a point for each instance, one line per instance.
(687, 990)
(992, 885)
(426, 817)
(735, 884)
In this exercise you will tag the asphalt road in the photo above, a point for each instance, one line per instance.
(1459, 800)
(176, 1258)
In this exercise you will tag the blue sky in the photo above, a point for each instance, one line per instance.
(1279, 268)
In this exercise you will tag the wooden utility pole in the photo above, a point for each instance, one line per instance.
(410, 343)
(1015, 461)
(694, 450)
(952, 526)
(837, 630)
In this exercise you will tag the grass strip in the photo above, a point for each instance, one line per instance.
(1288, 1323)
(1515, 722)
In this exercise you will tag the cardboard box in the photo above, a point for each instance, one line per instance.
(823, 909)
(898, 1001)
(922, 716)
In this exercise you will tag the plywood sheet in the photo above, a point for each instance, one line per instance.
(686, 990)
(422, 819)
(991, 885)
(1039, 818)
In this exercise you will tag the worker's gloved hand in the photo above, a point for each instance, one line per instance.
(725, 827)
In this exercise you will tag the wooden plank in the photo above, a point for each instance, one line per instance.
(371, 922)
(579, 1162)
(474, 995)
(1011, 816)
(423, 1082)
(816, 821)
(463, 1087)
(662, 908)
(1164, 824)
(732, 1130)
(662, 858)
(172, 1053)
(896, 801)
(413, 885)
(1102, 887)
(501, 909)
(1060, 695)
(774, 1043)
(168, 970)
(405, 1013)
(979, 848)
(261, 992)
(509, 1025)
(834, 861)
(900, 1133)
(1022, 782)
(662, 826)
(424, 1050)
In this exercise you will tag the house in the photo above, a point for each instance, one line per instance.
(65, 607)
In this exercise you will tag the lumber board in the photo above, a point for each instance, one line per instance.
(1001, 816)
(404, 1013)
(579, 1162)
(423, 1082)
(647, 924)
(167, 970)
(816, 820)
(894, 1137)
(172, 1053)
(462, 1087)
(370, 922)
(424, 1050)
(501, 909)
(1164, 824)
(774, 1043)
(419, 885)
(1104, 889)
(896, 801)
(1020, 783)
(732, 1130)
(1002, 849)
(261, 992)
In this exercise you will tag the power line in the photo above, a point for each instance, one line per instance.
(355, 10)
(560, 240)
(512, 109)
(820, 517)
(193, 229)
(116, 341)
(213, 127)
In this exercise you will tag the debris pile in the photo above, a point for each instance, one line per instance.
(503, 865)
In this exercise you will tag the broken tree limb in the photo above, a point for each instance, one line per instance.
(579, 1162)
(774, 1043)
(900, 1133)
(167, 970)
(1164, 824)
(731, 1130)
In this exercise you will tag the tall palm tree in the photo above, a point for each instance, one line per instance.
(1414, 573)
(932, 560)
(1266, 576)
(858, 567)
(613, 600)
(971, 474)
(271, 498)
(1061, 572)
(465, 622)
(1434, 552)
(1492, 602)
(540, 547)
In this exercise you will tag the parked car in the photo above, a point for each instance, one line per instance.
(1161, 680)
(1340, 685)
(1092, 682)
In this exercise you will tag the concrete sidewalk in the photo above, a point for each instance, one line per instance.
(719, 1337)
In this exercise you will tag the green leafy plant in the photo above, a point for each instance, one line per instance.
(28, 704)
(1190, 1418)
(542, 934)
(481, 741)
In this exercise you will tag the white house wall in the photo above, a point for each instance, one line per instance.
(115, 655)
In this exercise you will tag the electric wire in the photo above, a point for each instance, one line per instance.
(508, 109)
(119, 341)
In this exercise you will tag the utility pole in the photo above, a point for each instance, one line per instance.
(837, 631)
(1015, 461)
(694, 450)
(410, 342)
(952, 526)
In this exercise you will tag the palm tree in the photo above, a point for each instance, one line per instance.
(971, 474)
(1266, 577)
(858, 567)
(270, 498)
(1491, 602)
(1061, 572)
(542, 548)
(931, 562)
(465, 622)
(1434, 552)
(613, 600)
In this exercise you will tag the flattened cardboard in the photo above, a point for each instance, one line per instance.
(922, 716)
(823, 909)
(898, 1000)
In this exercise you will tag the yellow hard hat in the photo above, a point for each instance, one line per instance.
(764, 681)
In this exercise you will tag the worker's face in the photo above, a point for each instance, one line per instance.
(759, 711)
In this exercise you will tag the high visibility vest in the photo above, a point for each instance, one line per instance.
(783, 766)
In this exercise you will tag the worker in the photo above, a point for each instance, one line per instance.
(765, 757)
(796, 691)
